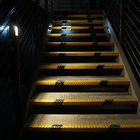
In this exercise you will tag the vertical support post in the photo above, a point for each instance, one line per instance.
(16, 74)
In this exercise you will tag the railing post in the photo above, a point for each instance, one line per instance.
(16, 73)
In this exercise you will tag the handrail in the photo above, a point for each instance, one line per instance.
(18, 63)
(125, 21)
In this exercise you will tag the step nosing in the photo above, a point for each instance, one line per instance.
(83, 82)
(84, 122)
(82, 54)
(81, 43)
(82, 66)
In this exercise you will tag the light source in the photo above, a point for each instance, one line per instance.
(50, 28)
(16, 30)
(4, 28)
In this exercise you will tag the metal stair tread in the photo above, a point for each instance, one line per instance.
(82, 66)
(44, 122)
(81, 43)
(79, 35)
(84, 78)
(78, 27)
(78, 21)
(101, 53)
(46, 98)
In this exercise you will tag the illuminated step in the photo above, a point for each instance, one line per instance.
(66, 81)
(65, 66)
(79, 35)
(74, 98)
(84, 123)
(80, 57)
(81, 43)
(75, 69)
(70, 27)
(79, 21)
(83, 83)
(98, 54)
(77, 27)
(70, 35)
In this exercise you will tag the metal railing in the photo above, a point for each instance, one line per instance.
(125, 19)
(23, 25)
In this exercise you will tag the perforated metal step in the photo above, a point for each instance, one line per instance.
(72, 98)
(79, 54)
(79, 35)
(78, 21)
(84, 83)
(84, 80)
(82, 69)
(78, 27)
(82, 66)
(80, 57)
(81, 44)
(84, 123)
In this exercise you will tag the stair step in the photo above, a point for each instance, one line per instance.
(84, 123)
(84, 83)
(79, 21)
(81, 69)
(84, 80)
(78, 27)
(84, 98)
(81, 43)
(80, 46)
(82, 66)
(97, 97)
(75, 57)
(66, 102)
(79, 54)
(70, 35)
(79, 35)
(74, 98)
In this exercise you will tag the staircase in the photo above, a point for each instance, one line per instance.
(83, 84)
